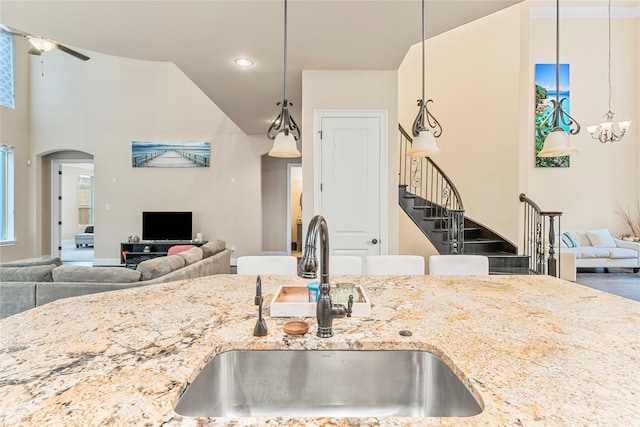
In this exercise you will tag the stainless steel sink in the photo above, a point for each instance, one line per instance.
(298, 383)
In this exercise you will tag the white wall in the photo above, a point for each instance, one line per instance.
(101, 105)
(602, 177)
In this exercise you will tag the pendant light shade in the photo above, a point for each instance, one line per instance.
(284, 130)
(557, 142)
(423, 145)
(424, 141)
(284, 146)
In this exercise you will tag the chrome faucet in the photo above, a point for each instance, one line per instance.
(326, 310)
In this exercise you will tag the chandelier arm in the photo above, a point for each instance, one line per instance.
(432, 121)
(293, 128)
(418, 122)
(563, 115)
(274, 129)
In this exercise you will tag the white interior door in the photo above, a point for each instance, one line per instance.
(351, 183)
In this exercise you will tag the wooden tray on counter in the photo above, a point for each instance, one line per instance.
(293, 301)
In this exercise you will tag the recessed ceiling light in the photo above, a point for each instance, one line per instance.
(243, 62)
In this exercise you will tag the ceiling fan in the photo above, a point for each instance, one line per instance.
(40, 45)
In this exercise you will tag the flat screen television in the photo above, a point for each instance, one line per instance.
(167, 225)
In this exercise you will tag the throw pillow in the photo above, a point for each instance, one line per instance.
(212, 248)
(79, 273)
(581, 239)
(192, 255)
(179, 248)
(568, 241)
(36, 273)
(601, 238)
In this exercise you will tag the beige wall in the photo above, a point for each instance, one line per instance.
(472, 75)
(101, 105)
(480, 77)
(350, 90)
(602, 177)
(274, 204)
(14, 130)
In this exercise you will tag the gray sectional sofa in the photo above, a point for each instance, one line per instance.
(31, 283)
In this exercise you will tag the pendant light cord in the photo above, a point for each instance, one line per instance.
(285, 49)
(423, 36)
(558, 52)
(610, 88)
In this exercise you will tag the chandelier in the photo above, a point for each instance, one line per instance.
(424, 141)
(557, 142)
(609, 130)
(284, 130)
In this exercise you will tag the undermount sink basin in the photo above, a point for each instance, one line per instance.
(299, 383)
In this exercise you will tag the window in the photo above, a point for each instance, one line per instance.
(6, 194)
(85, 200)
(6, 70)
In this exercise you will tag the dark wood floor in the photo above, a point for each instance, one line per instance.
(622, 282)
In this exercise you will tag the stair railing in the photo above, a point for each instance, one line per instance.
(425, 179)
(540, 244)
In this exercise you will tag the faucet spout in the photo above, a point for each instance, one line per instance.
(326, 310)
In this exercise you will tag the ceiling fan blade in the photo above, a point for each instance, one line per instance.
(8, 30)
(36, 51)
(72, 52)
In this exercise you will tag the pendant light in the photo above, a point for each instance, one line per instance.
(424, 140)
(557, 142)
(284, 130)
(609, 131)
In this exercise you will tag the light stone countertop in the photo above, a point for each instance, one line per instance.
(538, 351)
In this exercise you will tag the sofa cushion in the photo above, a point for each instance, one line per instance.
(622, 253)
(36, 273)
(32, 262)
(79, 273)
(191, 256)
(212, 248)
(591, 252)
(601, 238)
(179, 248)
(159, 266)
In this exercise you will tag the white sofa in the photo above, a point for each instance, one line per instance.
(595, 248)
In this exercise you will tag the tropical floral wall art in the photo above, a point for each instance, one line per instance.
(545, 82)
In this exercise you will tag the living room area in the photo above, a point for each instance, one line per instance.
(113, 100)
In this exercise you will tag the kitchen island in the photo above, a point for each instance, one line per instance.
(534, 350)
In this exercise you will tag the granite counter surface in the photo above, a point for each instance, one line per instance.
(537, 351)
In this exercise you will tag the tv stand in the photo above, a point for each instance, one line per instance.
(131, 254)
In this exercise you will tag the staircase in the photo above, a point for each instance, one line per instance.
(433, 203)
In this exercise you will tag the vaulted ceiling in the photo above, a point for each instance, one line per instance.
(203, 38)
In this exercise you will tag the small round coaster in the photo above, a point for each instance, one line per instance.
(296, 327)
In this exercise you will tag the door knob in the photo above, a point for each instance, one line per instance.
(373, 242)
